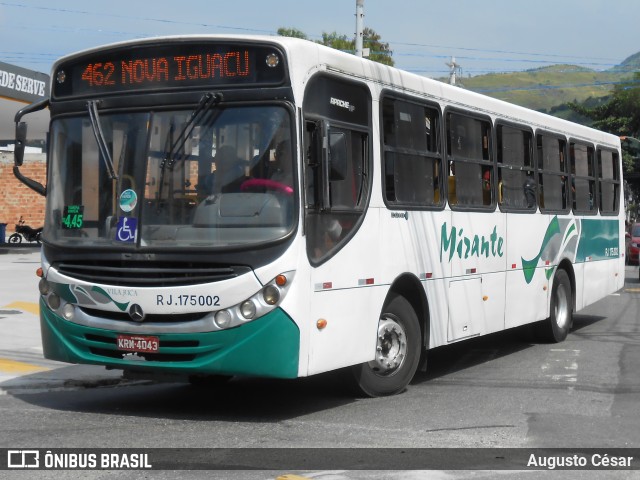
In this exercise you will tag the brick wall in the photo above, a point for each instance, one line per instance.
(16, 199)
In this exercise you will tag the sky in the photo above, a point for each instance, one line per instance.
(484, 36)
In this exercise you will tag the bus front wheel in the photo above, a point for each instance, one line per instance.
(555, 328)
(397, 352)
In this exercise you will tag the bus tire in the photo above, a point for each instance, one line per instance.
(555, 328)
(398, 348)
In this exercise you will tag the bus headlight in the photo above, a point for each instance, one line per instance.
(53, 301)
(248, 309)
(68, 311)
(271, 294)
(43, 286)
(222, 319)
(261, 303)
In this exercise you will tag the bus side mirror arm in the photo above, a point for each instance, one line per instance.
(32, 184)
(20, 142)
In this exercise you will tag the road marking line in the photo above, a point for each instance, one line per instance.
(562, 365)
(311, 476)
(25, 307)
(11, 366)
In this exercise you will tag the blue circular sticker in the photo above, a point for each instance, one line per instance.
(128, 200)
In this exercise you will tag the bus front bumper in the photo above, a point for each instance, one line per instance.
(267, 347)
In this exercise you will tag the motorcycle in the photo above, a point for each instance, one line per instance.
(29, 233)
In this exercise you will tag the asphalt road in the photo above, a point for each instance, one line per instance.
(502, 391)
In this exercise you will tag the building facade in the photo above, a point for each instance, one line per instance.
(18, 88)
(16, 199)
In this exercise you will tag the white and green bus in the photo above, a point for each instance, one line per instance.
(221, 206)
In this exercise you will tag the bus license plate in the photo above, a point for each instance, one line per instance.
(137, 343)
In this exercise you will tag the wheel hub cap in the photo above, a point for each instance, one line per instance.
(562, 307)
(391, 347)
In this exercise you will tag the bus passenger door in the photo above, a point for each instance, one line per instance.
(337, 184)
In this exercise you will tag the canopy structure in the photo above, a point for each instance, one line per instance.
(18, 88)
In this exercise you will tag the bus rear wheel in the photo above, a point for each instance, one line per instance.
(397, 352)
(555, 328)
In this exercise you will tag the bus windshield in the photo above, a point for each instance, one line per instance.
(183, 178)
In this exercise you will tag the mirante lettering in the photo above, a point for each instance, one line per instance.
(454, 242)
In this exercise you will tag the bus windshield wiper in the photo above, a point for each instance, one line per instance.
(92, 107)
(207, 101)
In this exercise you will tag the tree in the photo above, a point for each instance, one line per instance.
(620, 116)
(379, 51)
(339, 42)
(292, 32)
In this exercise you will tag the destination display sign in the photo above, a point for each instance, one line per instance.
(169, 66)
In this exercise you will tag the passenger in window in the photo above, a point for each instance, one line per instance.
(486, 187)
(280, 169)
(529, 188)
(229, 174)
(453, 199)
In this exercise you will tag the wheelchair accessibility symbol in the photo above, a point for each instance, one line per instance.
(126, 229)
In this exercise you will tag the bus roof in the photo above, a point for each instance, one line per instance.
(305, 56)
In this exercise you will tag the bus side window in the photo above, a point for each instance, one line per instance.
(471, 177)
(583, 180)
(412, 157)
(609, 181)
(516, 188)
(329, 221)
(552, 173)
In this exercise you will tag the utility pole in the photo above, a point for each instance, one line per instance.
(359, 27)
(454, 68)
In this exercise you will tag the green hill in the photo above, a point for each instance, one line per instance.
(631, 63)
(547, 89)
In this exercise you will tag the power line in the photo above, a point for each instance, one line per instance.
(591, 60)
(129, 17)
(551, 87)
(539, 58)
(498, 59)
(510, 52)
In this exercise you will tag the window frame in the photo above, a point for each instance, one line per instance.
(567, 198)
(489, 162)
(616, 181)
(500, 166)
(573, 176)
(436, 156)
(319, 111)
